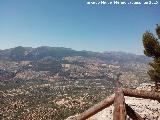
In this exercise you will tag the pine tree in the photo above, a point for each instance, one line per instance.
(152, 49)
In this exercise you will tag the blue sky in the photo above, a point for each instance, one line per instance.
(74, 24)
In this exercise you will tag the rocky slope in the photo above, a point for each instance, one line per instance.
(55, 83)
(52, 63)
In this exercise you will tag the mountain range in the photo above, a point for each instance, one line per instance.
(28, 53)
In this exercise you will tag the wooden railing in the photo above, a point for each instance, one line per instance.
(121, 109)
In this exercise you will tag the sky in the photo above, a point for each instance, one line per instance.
(76, 24)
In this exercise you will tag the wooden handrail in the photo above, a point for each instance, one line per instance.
(142, 94)
(121, 110)
(96, 108)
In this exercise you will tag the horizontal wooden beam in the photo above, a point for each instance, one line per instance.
(132, 114)
(96, 108)
(142, 94)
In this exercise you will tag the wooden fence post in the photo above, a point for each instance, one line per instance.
(119, 112)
